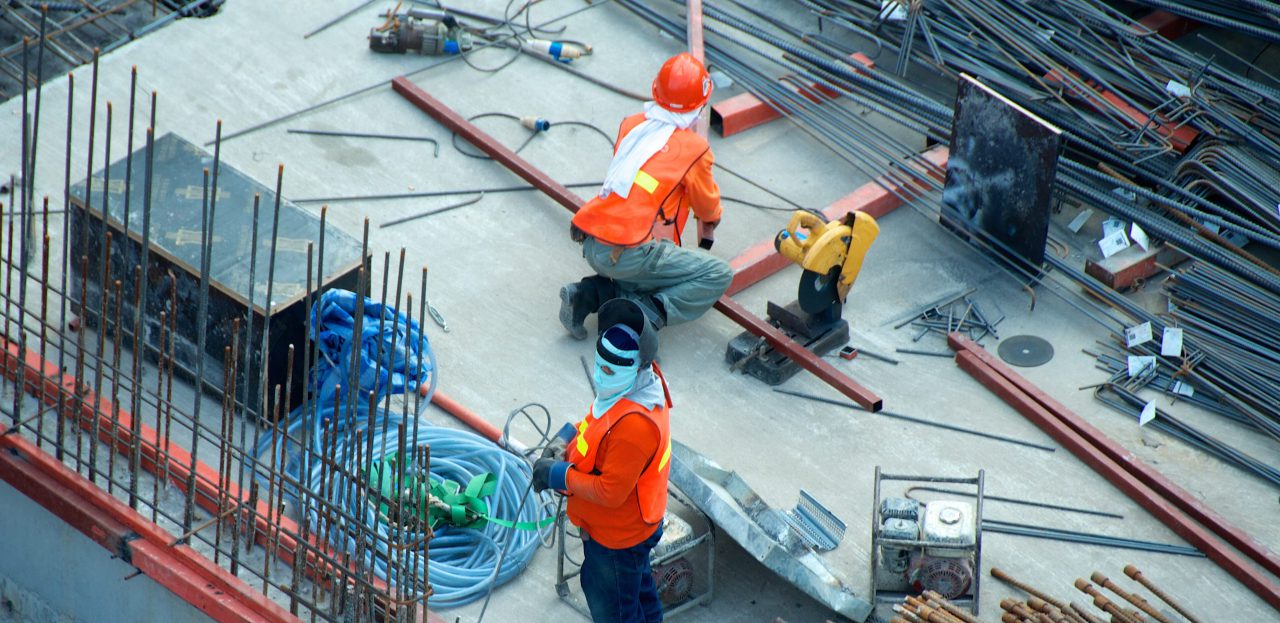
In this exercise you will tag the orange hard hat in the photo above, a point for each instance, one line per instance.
(683, 84)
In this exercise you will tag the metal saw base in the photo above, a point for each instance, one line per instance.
(753, 356)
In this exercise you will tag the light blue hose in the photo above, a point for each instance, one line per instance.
(463, 562)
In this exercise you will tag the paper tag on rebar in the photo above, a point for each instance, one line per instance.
(1171, 342)
(1112, 225)
(1126, 194)
(1140, 334)
(1141, 364)
(897, 14)
(1148, 413)
(1139, 237)
(1113, 243)
(1177, 89)
(1078, 222)
(1213, 227)
(1183, 389)
(1236, 238)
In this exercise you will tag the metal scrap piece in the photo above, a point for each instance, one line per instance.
(764, 532)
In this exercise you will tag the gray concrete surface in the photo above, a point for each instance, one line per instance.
(496, 268)
(50, 573)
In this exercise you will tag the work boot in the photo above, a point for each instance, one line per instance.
(573, 311)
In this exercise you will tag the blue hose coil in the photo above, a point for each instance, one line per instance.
(462, 563)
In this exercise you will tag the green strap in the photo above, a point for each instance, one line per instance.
(466, 506)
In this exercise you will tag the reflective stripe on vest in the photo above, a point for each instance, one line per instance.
(651, 487)
(627, 222)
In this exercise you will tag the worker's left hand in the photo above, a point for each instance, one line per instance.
(549, 474)
(707, 234)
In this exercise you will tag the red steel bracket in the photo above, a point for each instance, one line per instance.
(796, 352)
(745, 111)
(1169, 503)
(876, 198)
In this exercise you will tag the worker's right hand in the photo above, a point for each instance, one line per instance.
(555, 448)
(707, 234)
(549, 474)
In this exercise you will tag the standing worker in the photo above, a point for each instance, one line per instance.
(614, 469)
(631, 232)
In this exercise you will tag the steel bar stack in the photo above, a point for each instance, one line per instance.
(94, 406)
(1175, 143)
(1111, 602)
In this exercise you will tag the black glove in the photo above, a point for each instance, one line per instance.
(549, 474)
(555, 449)
(707, 234)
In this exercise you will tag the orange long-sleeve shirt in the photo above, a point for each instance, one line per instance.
(605, 504)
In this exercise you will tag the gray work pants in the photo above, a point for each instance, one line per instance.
(686, 282)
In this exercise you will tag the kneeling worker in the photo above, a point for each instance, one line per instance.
(631, 232)
(615, 468)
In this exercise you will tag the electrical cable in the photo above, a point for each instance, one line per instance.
(533, 133)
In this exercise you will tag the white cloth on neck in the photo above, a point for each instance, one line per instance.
(641, 143)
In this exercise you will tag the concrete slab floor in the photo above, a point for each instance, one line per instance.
(496, 268)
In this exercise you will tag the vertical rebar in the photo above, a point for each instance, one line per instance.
(116, 339)
(201, 324)
(128, 157)
(65, 284)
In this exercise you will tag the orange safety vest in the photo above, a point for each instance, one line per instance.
(651, 488)
(657, 199)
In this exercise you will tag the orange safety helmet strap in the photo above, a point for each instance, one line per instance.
(682, 84)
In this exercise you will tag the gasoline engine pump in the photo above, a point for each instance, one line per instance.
(429, 32)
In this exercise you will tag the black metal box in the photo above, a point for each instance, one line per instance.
(174, 261)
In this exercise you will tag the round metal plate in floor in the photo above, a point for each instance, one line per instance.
(1027, 351)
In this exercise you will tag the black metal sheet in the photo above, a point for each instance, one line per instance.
(1000, 171)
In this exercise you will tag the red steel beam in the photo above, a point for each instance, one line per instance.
(132, 537)
(1127, 473)
(1169, 26)
(117, 427)
(694, 37)
(876, 198)
(796, 352)
(1149, 476)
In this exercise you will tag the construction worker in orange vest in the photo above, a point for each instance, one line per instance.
(630, 232)
(613, 466)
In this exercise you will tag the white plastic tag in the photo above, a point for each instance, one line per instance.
(1183, 389)
(1139, 237)
(1148, 413)
(1171, 342)
(1113, 243)
(1112, 225)
(1079, 221)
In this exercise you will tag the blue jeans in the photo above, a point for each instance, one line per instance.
(618, 583)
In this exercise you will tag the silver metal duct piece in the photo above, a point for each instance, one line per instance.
(764, 532)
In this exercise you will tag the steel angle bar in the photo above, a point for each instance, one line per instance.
(764, 532)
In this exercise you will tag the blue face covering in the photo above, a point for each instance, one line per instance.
(622, 344)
